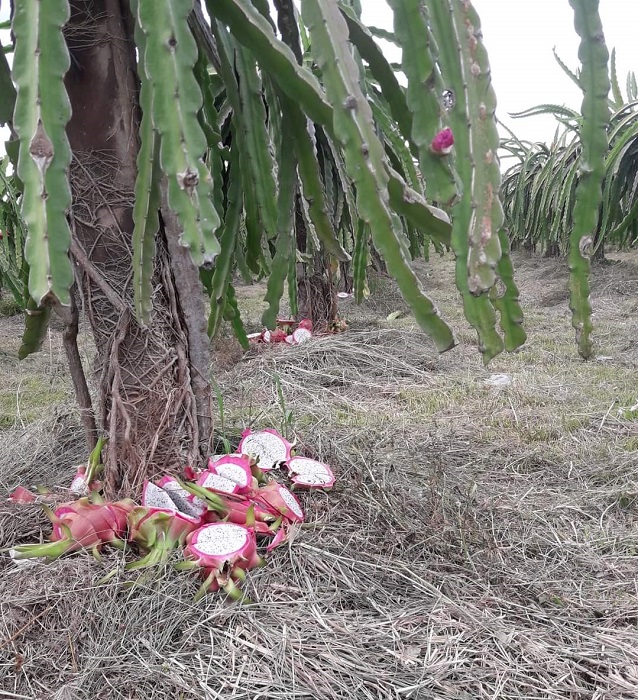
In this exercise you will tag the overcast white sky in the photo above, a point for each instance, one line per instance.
(519, 36)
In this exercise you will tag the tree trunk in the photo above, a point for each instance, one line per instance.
(154, 393)
(316, 293)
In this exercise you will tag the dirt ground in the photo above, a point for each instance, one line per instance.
(481, 542)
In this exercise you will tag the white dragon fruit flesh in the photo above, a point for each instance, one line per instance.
(79, 485)
(218, 483)
(309, 473)
(281, 501)
(221, 545)
(215, 458)
(301, 335)
(155, 497)
(236, 468)
(185, 501)
(267, 446)
(224, 552)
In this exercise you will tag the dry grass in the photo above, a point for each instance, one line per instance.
(481, 542)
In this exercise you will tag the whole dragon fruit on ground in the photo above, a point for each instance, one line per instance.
(81, 524)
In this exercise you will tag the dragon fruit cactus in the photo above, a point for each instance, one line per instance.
(223, 552)
(236, 468)
(267, 446)
(308, 473)
(82, 524)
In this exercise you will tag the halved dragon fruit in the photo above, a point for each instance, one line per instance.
(276, 336)
(218, 483)
(267, 446)
(224, 551)
(236, 468)
(85, 480)
(153, 496)
(79, 485)
(190, 473)
(310, 473)
(280, 500)
(185, 501)
(22, 495)
(215, 458)
(166, 517)
(280, 537)
(301, 335)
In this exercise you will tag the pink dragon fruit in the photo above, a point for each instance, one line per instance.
(22, 495)
(278, 499)
(267, 446)
(309, 473)
(224, 552)
(250, 512)
(81, 525)
(236, 468)
(215, 458)
(280, 537)
(158, 532)
(185, 501)
(217, 483)
(190, 473)
(85, 481)
(305, 323)
(442, 143)
(276, 336)
(168, 514)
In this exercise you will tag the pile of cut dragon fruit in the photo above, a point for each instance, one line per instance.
(287, 331)
(290, 332)
(218, 517)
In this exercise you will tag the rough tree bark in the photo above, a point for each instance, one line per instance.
(154, 391)
(316, 294)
